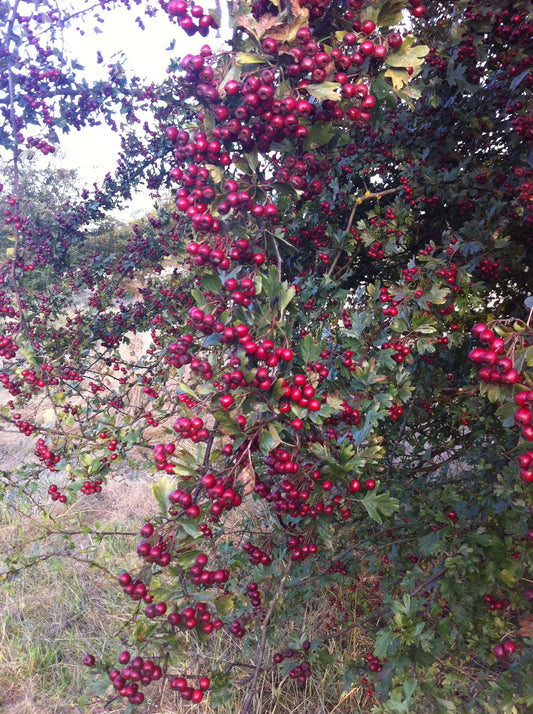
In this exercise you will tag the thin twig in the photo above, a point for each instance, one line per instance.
(362, 621)
(358, 201)
(261, 651)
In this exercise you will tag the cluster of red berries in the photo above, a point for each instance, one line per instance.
(500, 369)
(158, 553)
(523, 416)
(401, 350)
(374, 664)
(46, 456)
(150, 419)
(301, 672)
(240, 292)
(384, 297)
(91, 486)
(155, 609)
(256, 556)
(180, 356)
(56, 495)
(200, 576)
(525, 461)
(8, 348)
(490, 269)
(204, 254)
(507, 649)
(180, 9)
(189, 618)
(161, 452)
(347, 357)
(188, 693)
(192, 429)
(300, 391)
(134, 588)
(237, 629)
(242, 252)
(355, 485)
(299, 549)
(185, 399)
(495, 368)
(240, 200)
(12, 387)
(279, 461)
(409, 273)
(221, 491)
(253, 594)
(376, 251)
(24, 426)
(137, 671)
(395, 412)
(494, 604)
(185, 500)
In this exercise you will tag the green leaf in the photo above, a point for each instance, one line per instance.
(284, 188)
(253, 159)
(390, 14)
(267, 442)
(187, 390)
(191, 529)
(161, 491)
(225, 423)
(379, 504)
(310, 351)
(506, 414)
(188, 558)
(399, 78)
(382, 643)
(318, 135)
(85, 459)
(212, 282)
(286, 297)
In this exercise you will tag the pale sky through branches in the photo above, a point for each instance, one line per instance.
(145, 53)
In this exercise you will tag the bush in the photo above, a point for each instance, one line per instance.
(337, 392)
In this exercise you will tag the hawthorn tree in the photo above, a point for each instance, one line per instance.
(346, 349)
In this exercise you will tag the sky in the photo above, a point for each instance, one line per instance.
(145, 53)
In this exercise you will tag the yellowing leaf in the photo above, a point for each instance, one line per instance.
(325, 90)
(216, 172)
(407, 55)
(399, 78)
(243, 58)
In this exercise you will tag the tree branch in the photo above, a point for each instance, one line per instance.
(261, 651)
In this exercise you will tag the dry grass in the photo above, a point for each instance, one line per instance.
(58, 610)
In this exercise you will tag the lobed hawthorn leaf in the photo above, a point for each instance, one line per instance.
(212, 282)
(309, 350)
(226, 425)
(399, 78)
(407, 55)
(389, 14)
(379, 504)
(318, 135)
